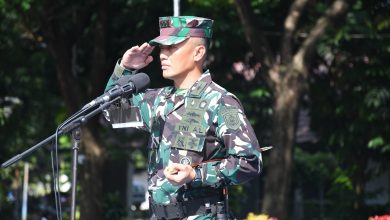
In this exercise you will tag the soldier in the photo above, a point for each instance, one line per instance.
(200, 139)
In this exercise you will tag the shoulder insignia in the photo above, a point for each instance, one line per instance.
(231, 118)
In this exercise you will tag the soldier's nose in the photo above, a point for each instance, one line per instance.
(163, 55)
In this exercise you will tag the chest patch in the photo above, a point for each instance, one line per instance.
(189, 143)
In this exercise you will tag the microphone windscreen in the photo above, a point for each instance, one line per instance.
(141, 82)
(123, 80)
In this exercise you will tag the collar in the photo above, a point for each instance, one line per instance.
(195, 91)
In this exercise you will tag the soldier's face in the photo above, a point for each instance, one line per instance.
(177, 60)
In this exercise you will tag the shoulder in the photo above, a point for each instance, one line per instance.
(150, 95)
(152, 91)
(158, 91)
(225, 97)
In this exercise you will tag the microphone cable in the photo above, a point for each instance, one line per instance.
(55, 163)
(56, 176)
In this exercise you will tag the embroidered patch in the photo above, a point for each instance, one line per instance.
(185, 160)
(193, 143)
(182, 127)
(180, 142)
(231, 118)
(194, 113)
(189, 143)
(194, 128)
(197, 89)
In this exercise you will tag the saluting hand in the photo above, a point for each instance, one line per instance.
(179, 174)
(137, 57)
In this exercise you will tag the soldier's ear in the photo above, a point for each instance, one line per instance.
(199, 53)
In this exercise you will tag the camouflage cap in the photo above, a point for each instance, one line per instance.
(174, 30)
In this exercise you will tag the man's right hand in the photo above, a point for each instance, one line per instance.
(179, 174)
(137, 57)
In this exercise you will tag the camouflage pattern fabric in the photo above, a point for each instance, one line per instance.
(174, 30)
(204, 125)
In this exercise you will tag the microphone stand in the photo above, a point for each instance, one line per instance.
(76, 134)
(74, 126)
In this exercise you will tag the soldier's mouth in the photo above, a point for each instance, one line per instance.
(164, 66)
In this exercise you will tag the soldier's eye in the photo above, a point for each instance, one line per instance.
(166, 47)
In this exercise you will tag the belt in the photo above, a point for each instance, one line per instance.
(181, 209)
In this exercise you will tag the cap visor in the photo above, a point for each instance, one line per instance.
(166, 40)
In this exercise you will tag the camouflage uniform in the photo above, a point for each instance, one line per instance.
(204, 126)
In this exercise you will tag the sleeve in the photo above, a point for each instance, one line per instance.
(119, 71)
(243, 160)
(142, 102)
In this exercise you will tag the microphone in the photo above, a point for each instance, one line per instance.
(136, 84)
(125, 86)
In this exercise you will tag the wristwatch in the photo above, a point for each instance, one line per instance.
(198, 175)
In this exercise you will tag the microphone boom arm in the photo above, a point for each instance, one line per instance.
(66, 128)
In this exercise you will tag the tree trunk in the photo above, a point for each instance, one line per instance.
(91, 171)
(360, 158)
(286, 78)
(91, 178)
(16, 190)
(277, 184)
(92, 194)
(60, 44)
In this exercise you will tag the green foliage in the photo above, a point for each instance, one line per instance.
(378, 143)
(115, 209)
(349, 105)
(314, 166)
(139, 159)
(342, 181)
(259, 92)
(29, 100)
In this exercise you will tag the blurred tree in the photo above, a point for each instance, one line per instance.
(350, 92)
(288, 63)
(75, 35)
(26, 94)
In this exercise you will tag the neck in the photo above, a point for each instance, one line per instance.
(188, 79)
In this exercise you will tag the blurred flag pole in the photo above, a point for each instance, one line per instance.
(176, 7)
(25, 191)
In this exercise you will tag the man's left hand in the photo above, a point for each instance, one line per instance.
(179, 174)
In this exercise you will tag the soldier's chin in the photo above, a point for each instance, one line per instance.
(168, 74)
